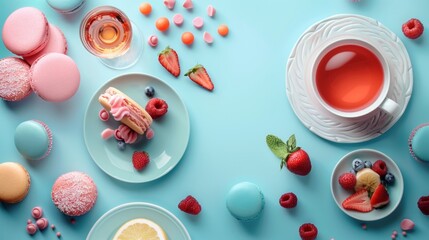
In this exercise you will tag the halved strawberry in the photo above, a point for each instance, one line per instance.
(170, 61)
(380, 197)
(199, 75)
(358, 201)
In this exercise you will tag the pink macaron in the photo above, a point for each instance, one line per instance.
(56, 43)
(14, 79)
(26, 31)
(74, 193)
(55, 77)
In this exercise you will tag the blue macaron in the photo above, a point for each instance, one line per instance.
(245, 201)
(33, 139)
(66, 6)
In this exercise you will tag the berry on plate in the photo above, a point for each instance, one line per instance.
(380, 167)
(199, 75)
(149, 91)
(389, 179)
(288, 200)
(170, 61)
(295, 158)
(156, 107)
(308, 231)
(413, 28)
(140, 160)
(347, 180)
(380, 197)
(358, 164)
(358, 201)
(190, 205)
(423, 204)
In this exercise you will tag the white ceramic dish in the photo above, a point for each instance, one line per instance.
(311, 113)
(395, 191)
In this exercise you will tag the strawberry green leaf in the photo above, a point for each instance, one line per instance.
(277, 146)
(291, 143)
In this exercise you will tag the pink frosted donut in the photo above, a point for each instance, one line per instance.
(74, 193)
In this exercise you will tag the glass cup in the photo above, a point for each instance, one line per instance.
(107, 33)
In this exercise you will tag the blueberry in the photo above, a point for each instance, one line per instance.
(149, 91)
(121, 145)
(357, 164)
(389, 178)
(368, 164)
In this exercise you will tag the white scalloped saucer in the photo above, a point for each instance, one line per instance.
(312, 114)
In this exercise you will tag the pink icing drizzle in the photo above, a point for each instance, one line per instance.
(127, 134)
(149, 133)
(118, 110)
(107, 133)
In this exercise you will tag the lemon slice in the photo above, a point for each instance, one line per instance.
(140, 229)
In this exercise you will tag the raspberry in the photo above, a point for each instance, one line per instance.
(423, 204)
(156, 107)
(347, 180)
(380, 167)
(308, 231)
(413, 28)
(190, 205)
(288, 200)
(140, 160)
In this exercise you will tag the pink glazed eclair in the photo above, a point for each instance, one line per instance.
(56, 43)
(26, 31)
(14, 79)
(125, 110)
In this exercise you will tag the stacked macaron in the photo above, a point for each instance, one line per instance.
(43, 66)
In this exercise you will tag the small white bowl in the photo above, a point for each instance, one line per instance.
(395, 191)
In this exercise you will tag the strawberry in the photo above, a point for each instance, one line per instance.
(380, 197)
(380, 167)
(347, 180)
(190, 205)
(156, 107)
(170, 61)
(295, 158)
(358, 201)
(308, 231)
(423, 204)
(199, 75)
(288, 200)
(413, 28)
(140, 160)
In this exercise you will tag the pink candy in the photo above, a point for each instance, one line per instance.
(198, 22)
(188, 4)
(178, 19)
(169, 3)
(107, 133)
(407, 224)
(37, 212)
(207, 37)
(211, 11)
(150, 133)
(153, 40)
(104, 115)
(42, 223)
(31, 228)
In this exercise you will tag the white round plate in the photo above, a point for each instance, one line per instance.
(165, 149)
(107, 225)
(311, 113)
(395, 191)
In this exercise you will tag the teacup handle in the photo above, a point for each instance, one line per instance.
(389, 106)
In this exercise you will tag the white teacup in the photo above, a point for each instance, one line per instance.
(350, 78)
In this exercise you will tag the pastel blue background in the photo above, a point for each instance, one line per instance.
(228, 126)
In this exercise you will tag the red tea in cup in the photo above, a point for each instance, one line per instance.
(349, 78)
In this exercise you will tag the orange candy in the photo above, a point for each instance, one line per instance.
(162, 24)
(145, 8)
(223, 30)
(187, 38)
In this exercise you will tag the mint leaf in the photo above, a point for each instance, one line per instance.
(277, 146)
(291, 143)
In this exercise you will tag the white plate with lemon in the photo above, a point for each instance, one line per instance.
(135, 220)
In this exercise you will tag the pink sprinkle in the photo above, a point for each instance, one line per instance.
(198, 22)
(393, 236)
(404, 233)
(178, 19)
(107, 133)
(150, 133)
(363, 226)
(52, 226)
(29, 221)
(188, 4)
(31, 228)
(407, 224)
(58, 234)
(42, 223)
(104, 115)
(395, 233)
(207, 38)
(153, 40)
(37, 212)
(169, 3)
(211, 11)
